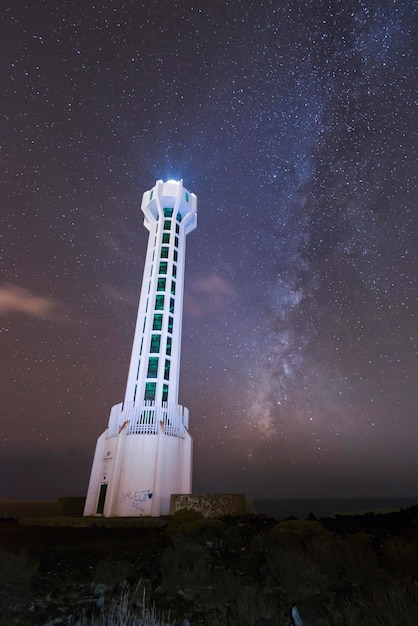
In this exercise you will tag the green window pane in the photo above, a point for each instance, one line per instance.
(164, 252)
(179, 217)
(165, 392)
(174, 270)
(161, 284)
(186, 195)
(171, 305)
(150, 391)
(167, 369)
(163, 267)
(151, 194)
(167, 224)
(152, 367)
(159, 303)
(168, 347)
(176, 242)
(175, 257)
(155, 344)
(168, 212)
(157, 322)
(170, 324)
(177, 228)
(166, 237)
(173, 287)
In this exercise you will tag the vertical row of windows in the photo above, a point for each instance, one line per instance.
(152, 372)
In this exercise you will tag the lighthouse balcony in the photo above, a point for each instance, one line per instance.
(149, 419)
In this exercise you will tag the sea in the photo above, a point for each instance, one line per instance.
(301, 508)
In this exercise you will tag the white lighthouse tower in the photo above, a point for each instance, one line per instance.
(145, 454)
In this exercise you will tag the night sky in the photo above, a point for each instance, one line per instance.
(295, 125)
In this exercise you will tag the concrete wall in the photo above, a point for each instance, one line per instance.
(211, 504)
(41, 508)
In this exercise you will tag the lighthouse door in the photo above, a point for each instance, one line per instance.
(102, 498)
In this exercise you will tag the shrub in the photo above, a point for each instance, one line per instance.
(17, 568)
(110, 573)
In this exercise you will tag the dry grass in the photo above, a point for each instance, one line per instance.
(130, 608)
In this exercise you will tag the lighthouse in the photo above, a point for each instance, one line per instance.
(145, 454)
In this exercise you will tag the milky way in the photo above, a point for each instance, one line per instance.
(295, 125)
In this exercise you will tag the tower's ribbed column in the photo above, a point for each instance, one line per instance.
(170, 214)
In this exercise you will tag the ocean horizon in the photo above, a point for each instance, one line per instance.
(282, 508)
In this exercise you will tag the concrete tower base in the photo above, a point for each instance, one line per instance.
(134, 473)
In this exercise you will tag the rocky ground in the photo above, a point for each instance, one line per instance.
(247, 570)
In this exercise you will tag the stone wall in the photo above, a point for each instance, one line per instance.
(211, 504)
(41, 508)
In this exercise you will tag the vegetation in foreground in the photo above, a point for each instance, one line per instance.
(244, 571)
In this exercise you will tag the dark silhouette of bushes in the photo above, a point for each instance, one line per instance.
(245, 571)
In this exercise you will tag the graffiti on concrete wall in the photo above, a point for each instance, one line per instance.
(137, 498)
(210, 505)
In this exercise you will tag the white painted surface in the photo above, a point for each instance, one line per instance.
(145, 454)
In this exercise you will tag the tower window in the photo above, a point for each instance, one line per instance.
(168, 212)
(167, 369)
(168, 347)
(151, 193)
(170, 324)
(158, 322)
(164, 252)
(152, 367)
(186, 195)
(174, 271)
(161, 284)
(173, 287)
(166, 237)
(163, 267)
(179, 217)
(171, 305)
(159, 303)
(155, 343)
(175, 257)
(177, 228)
(150, 391)
(167, 224)
(176, 242)
(165, 392)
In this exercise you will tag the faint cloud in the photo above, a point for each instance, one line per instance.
(208, 294)
(15, 299)
(127, 297)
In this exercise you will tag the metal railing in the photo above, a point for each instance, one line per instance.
(148, 419)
